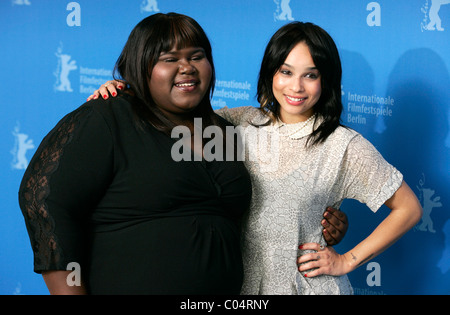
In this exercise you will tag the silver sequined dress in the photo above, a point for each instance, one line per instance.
(292, 186)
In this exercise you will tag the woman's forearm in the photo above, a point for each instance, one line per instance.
(406, 211)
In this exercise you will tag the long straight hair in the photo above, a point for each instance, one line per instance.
(326, 58)
(153, 35)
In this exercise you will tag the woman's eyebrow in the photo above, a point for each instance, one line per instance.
(175, 52)
(308, 68)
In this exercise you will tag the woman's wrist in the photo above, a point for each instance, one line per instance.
(352, 260)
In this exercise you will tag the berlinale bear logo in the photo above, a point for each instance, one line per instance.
(21, 145)
(432, 20)
(149, 6)
(65, 65)
(284, 11)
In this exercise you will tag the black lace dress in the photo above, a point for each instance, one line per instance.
(107, 195)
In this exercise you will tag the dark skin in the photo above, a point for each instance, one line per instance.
(335, 225)
(335, 222)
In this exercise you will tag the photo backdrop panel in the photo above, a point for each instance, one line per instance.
(396, 60)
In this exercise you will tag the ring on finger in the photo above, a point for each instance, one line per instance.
(105, 85)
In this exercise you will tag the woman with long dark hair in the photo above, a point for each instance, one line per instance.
(104, 199)
(301, 160)
(320, 163)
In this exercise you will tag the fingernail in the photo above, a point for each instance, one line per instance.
(306, 276)
(114, 94)
(119, 87)
(300, 247)
(95, 97)
(105, 96)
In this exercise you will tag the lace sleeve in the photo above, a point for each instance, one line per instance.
(55, 195)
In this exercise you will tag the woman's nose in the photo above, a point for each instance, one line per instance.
(186, 67)
(297, 85)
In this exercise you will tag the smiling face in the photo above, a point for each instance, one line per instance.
(180, 80)
(297, 85)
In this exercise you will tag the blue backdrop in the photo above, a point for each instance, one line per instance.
(396, 92)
